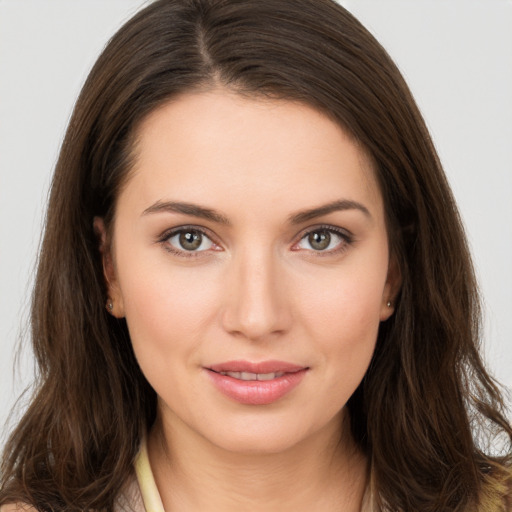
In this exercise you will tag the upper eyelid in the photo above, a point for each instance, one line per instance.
(327, 227)
(168, 233)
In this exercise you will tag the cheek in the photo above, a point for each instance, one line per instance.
(343, 319)
(348, 301)
(166, 308)
(346, 344)
(349, 331)
(166, 312)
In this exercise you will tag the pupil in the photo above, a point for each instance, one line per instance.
(320, 240)
(190, 240)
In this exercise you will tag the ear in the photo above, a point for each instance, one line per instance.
(114, 303)
(391, 289)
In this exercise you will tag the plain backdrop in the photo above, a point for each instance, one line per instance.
(455, 54)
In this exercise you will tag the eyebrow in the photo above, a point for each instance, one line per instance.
(214, 216)
(335, 206)
(187, 209)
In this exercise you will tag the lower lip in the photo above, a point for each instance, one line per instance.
(256, 392)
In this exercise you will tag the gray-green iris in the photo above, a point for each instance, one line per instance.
(190, 240)
(319, 240)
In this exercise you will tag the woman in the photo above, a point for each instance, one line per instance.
(254, 289)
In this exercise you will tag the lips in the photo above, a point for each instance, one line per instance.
(256, 383)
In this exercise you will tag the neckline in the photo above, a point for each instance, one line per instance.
(148, 489)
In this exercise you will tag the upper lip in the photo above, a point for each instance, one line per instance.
(259, 367)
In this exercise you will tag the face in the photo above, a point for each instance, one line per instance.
(249, 256)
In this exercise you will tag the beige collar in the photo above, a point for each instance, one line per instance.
(146, 480)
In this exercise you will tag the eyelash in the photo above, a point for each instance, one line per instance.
(347, 239)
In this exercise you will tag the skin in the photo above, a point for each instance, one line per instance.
(257, 289)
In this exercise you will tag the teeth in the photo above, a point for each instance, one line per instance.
(269, 376)
(253, 376)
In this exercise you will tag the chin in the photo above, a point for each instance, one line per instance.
(270, 436)
(257, 444)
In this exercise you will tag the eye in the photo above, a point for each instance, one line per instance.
(188, 240)
(324, 240)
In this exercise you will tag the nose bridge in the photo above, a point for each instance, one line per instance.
(256, 302)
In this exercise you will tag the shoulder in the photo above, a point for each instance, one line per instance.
(130, 499)
(17, 507)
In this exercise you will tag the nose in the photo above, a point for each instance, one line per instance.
(257, 304)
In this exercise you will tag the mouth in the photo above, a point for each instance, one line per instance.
(247, 376)
(260, 368)
(256, 383)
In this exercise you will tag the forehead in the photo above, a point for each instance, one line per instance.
(223, 148)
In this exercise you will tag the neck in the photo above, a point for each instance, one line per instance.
(326, 471)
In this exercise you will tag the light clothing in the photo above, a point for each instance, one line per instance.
(141, 493)
(146, 481)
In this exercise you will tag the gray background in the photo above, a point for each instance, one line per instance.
(455, 54)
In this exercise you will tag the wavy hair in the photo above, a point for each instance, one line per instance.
(426, 409)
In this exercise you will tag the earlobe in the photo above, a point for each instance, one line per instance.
(386, 310)
(391, 290)
(114, 302)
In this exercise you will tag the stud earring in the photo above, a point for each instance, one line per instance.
(388, 304)
(110, 305)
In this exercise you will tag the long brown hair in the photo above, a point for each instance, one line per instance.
(426, 408)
